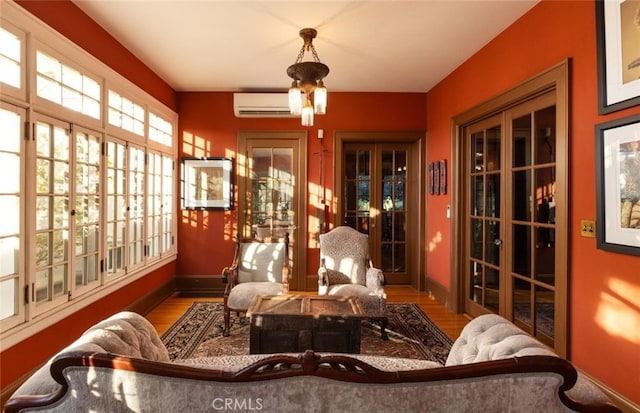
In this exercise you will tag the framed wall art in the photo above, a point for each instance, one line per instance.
(443, 176)
(430, 178)
(618, 49)
(207, 183)
(436, 178)
(618, 185)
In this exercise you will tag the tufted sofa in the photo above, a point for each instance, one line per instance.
(120, 365)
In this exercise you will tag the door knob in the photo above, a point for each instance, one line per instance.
(497, 241)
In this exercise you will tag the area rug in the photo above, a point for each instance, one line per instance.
(198, 333)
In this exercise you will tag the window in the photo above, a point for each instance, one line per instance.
(125, 114)
(10, 59)
(67, 86)
(135, 206)
(51, 214)
(116, 208)
(87, 210)
(11, 235)
(88, 197)
(160, 130)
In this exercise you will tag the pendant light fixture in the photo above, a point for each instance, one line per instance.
(307, 78)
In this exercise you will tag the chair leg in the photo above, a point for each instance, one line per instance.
(227, 316)
(384, 321)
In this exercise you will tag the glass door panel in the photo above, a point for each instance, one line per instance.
(271, 179)
(52, 212)
(533, 209)
(484, 217)
(270, 171)
(357, 189)
(375, 203)
(392, 199)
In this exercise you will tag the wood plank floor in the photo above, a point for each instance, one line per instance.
(164, 315)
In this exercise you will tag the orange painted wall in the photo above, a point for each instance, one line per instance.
(208, 127)
(604, 286)
(65, 17)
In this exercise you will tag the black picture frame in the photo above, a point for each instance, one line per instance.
(436, 178)
(430, 178)
(618, 185)
(617, 65)
(207, 183)
(443, 177)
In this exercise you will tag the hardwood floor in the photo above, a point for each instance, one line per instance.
(164, 315)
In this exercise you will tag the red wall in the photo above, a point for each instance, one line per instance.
(208, 127)
(604, 286)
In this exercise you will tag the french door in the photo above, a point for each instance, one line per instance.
(377, 202)
(271, 193)
(513, 242)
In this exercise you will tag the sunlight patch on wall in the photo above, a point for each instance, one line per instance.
(437, 239)
(618, 314)
(195, 145)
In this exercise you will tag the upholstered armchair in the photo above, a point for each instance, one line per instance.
(259, 267)
(346, 270)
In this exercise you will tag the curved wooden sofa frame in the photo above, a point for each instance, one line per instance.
(335, 367)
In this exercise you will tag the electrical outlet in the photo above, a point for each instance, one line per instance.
(588, 228)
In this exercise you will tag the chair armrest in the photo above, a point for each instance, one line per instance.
(323, 279)
(375, 280)
(230, 275)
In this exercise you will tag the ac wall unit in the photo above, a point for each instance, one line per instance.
(261, 105)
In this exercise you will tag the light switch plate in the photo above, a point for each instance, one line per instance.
(587, 228)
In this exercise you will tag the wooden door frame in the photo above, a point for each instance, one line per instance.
(554, 79)
(299, 275)
(419, 140)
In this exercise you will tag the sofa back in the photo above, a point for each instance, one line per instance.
(492, 337)
(125, 333)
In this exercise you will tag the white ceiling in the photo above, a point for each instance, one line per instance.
(369, 46)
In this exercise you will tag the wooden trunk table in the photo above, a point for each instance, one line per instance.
(293, 323)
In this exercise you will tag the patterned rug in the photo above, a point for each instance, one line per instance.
(198, 333)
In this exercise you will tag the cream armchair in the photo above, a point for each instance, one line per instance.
(346, 270)
(259, 267)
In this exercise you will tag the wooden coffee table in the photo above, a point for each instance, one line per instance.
(294, 323)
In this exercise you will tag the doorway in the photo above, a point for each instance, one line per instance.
(379, 180)
(272, 185)
(511, 231)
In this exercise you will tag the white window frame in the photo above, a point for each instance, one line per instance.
(20, 311)
(47, 106)
(38, 36)
(8, 90)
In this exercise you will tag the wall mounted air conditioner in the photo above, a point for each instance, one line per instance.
(261, 105)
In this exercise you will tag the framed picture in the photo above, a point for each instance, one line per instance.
(431, 178)
(436, 178)
(443, 177)
(618, 43)
(207, 183)
(618, 185)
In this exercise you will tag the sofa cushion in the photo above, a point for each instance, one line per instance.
(491, 337)
(241, 295)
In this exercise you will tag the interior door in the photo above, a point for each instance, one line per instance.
(511, 217)
(377, 203)
(271, 188)
(485, 217)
